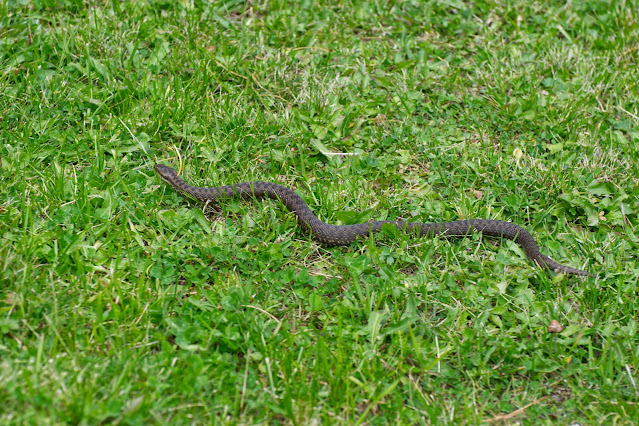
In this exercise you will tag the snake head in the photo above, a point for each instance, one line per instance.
(166, 173)
(163, 170)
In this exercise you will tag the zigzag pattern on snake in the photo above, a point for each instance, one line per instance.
(346, 234)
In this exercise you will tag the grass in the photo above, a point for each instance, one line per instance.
(123, 302)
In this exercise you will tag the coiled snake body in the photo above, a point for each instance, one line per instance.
(345, 234)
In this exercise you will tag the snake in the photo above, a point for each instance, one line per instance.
(346, 234)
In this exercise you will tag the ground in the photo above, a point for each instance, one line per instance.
(123, 301)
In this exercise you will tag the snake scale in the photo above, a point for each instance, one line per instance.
(345, 234)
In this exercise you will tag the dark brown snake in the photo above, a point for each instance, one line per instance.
(346, 234)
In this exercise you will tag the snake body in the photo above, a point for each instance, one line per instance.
(346, 234)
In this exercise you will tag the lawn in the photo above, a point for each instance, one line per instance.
(122, 301)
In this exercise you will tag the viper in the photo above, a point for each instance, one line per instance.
(346, 234)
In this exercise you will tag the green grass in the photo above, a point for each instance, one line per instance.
(122, 301)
